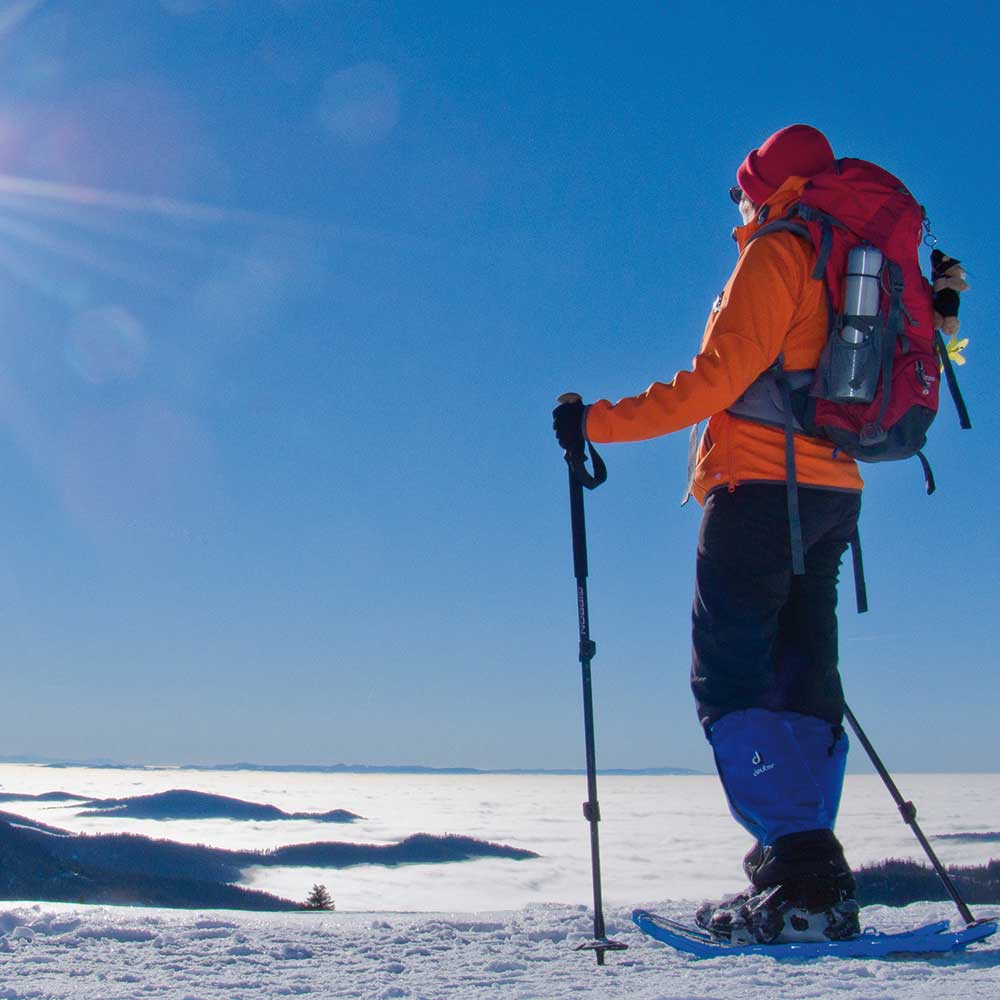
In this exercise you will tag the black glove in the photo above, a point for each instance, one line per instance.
(567, 422)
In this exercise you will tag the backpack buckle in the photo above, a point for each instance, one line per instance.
(872, 434)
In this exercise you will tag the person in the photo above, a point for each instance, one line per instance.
(764, 670)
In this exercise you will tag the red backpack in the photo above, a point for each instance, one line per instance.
(893, 345)
(857, 203)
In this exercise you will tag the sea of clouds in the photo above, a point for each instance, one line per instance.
(665, 837)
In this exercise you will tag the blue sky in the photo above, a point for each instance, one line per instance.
(287, 291)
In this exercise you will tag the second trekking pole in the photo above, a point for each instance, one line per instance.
(909, 813)
(579, 477)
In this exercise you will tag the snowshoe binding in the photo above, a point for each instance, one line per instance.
(810, 910)
(797, 893)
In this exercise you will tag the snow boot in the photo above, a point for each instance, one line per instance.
(801, 890)
(806, 893)
(812, 855)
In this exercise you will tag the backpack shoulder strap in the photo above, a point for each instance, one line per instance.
(791, 480)
(786, 225)
(789, 224)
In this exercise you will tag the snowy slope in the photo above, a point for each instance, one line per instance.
(59, 951)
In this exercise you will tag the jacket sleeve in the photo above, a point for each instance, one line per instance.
(743, 337)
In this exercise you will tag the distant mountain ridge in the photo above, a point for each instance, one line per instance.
(344, 768)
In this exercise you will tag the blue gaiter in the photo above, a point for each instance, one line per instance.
(778, 771)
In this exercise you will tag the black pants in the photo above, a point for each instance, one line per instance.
(762, 637)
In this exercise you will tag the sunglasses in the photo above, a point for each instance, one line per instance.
(736, 193)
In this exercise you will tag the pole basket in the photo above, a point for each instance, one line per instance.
(600, 945)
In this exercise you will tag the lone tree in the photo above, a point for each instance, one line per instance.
(319, 899)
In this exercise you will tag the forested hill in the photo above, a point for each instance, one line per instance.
(40, 862)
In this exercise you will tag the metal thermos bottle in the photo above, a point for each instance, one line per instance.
(856, 349)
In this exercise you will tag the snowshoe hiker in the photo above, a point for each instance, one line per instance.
(781, 506)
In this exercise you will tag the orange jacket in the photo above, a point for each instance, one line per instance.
(771, 305)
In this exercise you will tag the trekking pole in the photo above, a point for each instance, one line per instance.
(579, 478)
(909, 813)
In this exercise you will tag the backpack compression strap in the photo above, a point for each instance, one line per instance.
(875, 433)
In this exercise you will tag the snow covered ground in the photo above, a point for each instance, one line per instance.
(50, 951)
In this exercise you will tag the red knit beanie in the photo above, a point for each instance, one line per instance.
(795, 151)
